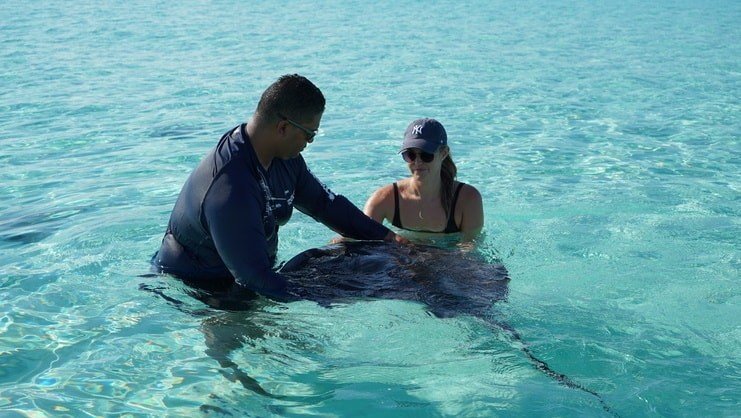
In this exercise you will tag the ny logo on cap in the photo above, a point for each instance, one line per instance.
(417, 130)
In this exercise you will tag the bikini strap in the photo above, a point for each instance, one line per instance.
(451, 226)
(397, 218)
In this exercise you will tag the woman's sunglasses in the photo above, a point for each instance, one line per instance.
(409, 156)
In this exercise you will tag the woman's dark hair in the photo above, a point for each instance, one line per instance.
(448, 172)
(292, 96)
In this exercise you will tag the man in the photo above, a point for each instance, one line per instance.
(224, 226)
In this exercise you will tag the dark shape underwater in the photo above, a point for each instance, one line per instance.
(448, 282)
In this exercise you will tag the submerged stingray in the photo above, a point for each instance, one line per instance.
(449, 283)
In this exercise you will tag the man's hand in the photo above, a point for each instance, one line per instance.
(338, 239)
(391, 237)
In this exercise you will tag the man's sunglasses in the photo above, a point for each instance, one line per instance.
(310, 133)
(409, 156)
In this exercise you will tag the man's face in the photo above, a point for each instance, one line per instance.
(297, 135)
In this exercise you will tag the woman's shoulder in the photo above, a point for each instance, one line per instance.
(468, 193)
(384, 191)
(380, 204)
(471, 211)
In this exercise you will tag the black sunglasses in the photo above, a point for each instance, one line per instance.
(409, 156)
(310, 133)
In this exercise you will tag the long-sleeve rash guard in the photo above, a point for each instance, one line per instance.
(224, 225)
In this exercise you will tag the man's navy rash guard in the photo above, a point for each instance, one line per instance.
(225, 222)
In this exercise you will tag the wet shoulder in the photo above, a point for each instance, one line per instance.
(469, 193)
(384, 193)
(380, 203)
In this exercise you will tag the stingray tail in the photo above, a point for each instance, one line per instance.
(548, 371)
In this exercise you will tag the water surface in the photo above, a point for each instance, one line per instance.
(603, 137)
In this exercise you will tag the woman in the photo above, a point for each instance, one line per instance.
(431, 200)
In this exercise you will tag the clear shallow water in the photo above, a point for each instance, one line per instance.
(604, 139)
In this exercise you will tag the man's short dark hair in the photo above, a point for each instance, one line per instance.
(292, 96)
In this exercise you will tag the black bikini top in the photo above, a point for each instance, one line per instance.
(450, 228)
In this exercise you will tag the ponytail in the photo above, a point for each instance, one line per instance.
(448, 172)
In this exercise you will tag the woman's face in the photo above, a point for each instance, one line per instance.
(422, 164)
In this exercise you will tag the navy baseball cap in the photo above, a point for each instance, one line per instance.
(426, 134)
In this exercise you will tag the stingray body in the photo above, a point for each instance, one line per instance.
(449, 283)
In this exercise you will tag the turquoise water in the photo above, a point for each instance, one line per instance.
(603, 136)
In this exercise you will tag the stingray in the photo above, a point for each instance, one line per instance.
(449, 283)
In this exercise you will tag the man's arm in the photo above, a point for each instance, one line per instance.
(233, 216)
